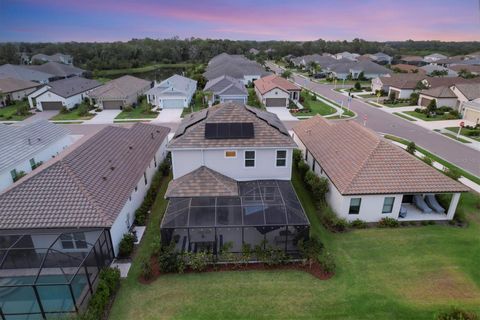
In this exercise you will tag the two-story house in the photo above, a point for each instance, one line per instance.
(232, 167)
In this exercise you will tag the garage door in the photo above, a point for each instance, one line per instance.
(425, 102)
(52, 105)
(237, 101)
(276, 102)
(114, 104)
(472, 115)
(172, 103)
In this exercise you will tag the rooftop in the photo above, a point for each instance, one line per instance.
(470, 90)
(235, 66)
(11, 85)
(57, 69)
(120, 88)
(273, 81)
(23, 73)
(226, 85)
(72, 86)
(358, 161)
(175, 84)
(439, 92)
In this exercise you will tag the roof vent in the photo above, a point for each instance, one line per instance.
(130, 147)
(152, 135)
(104, 178)
(29, 141)
(112, 168)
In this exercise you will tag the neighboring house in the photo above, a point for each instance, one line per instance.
(466, 91)
(470, 111)
(227, 89)
(24, 58)
(369, 177)
(407, 68)
(65, 93)
(231, 175)
(473, 69)
(59, 70)
(57, 57)
(370, 70)
(322, 61)
(25, 147)
(443, 96)
(434, 57)
(347, 55)
(412, 60)
(24, 73)
(120, 92)
(254, 51)
(174, 92)
(235, 66)
(15, 89)
(402, 85)
(99, 185)
(429, 69)
(381, 58)
(276, 91)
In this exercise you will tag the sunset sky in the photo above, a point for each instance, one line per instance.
(110, 20)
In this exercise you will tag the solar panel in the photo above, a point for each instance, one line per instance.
(210, 130)
(269, 118)
(229, 130)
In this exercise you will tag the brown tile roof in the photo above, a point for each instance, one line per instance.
(8, 85)
(202, 182)
(439, 92)
(469, 68)
(412, 58)
(271, 82)
(89, 186)
(358, 161)
(470, 90)
(403, 80)
(120, 88)
(265, 135)
(408, 68)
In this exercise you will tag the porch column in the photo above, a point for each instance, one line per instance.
(453, 205)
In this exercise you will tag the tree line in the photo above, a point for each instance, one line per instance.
(142, 52)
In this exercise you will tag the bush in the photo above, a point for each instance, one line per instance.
(411, 147)
(414, 99)
(332, 221)
(318, 186)
(22, 110)
(297, 156)
(64, 110)
(146, 269)
(427, 160)
(83, 110)
(445, 109)
(358, 86)
(419, 110)
(388, 222)
(128, 109)
(303, 169)
(453, 173)
(125, 248)
(358, 224)
(455, 114)
(164, 168)
(310, 249)
(327, 262)
(460, 216)
(169, 260)
(457, 314)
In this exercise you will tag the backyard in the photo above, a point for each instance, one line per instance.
(11, 113)
(404, 273)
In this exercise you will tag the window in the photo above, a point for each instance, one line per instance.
(249, 159)
(355, 205)
(230, 154)
(73, 241)
(145, 177)
(388, 204)
(32, 163)
(281, 158)
(13, 173)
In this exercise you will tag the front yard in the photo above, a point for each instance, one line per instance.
(424, 117)
(404, 273)
(471, 133)
(78, 113)
(315, 106)
(15, 112)
(142, 111)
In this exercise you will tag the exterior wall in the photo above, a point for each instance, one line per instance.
(158, 100)
(126, 217)
(44, 155)
(377, 84)
(275, 93)
(185, 161)
(34, 94)
(48, 96)
(19, 95)
(223, 98)
(449, 102)
(250, 78)
(471, 115)
(460, 96)
(403, 93)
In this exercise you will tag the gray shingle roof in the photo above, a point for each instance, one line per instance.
(58, 69)
(89, 186)
(235, 66)
(72, 86)
(367, 67)
(23, 73)
(12, 85)
(176, 83)
(120, 88)
(470, 90)
(226, 85)
(19, 143)
(265, 135)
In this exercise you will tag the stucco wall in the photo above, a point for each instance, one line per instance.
(69, 102)
(403, 93)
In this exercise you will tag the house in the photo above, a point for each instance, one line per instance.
(381, 58)
(98, 185)
(174, 92)
(276, 91)
(443, 96)
(407, 68)
(57, 57)
(370, 70)
(120, 92)
(231, 177)
(227, 89)
(370, 178)
(253, 51)
(431, 69)
(235, 66)
(412, 60)
(24, 73)
(347, 55)
(15, 89)
(470, 111)
(25, 147)
(321, 60)
(402, 85)
(59, 70)
(466, 91)
(65, 93)
(434, 57)
(473, 69)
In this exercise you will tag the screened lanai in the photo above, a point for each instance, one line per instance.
(45, 275)
(266, 212)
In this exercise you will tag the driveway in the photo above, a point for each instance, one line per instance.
(169, 115)
(383, 122)
(282, 113)
(104, 117)
(44, 115)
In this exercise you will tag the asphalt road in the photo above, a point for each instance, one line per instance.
(383, 122)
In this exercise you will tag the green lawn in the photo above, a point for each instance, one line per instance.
(10, 113)
(315, 106)
(454, 137)
(138, 112)
(423, 116)
(253, 99)
(405, 273)
(401, 115)
(397, 105)
(464, 132)
(72, 114)
(366, 95)
(114, 72)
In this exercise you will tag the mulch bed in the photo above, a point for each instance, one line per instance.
(314, 269)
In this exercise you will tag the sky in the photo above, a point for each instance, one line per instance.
(301, 20)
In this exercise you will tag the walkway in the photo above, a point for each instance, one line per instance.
(104, 117)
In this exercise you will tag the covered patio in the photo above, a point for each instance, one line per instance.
(428, 207)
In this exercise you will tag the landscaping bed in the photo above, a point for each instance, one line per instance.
(470, 132)
(80, 112)
(16, 112)
(426, 117)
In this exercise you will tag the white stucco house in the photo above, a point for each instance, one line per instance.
(370, 178)
(276, 91)
(65, 93)
(13, 89)
(98, 186)
(26, 147)
(443, 96)
(174, 92)
(225, 89)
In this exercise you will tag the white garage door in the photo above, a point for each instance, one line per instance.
(237, 101)
(173, 103)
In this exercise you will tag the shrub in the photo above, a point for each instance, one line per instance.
(310, 249)
(419, 110)
(303, 169)
(332, 221)
(388, 222)
(22, 110)
(146, 269)
(169, 260)
(414, 99)
(64, 110)
(457, 314)
(164, 168)
(358, 224)
(128, 109)
(453, 173)
(427, 160)
(83, 110)
(445, 109)
(358, 86)
(318, 186)
(460, 216)
(141, 215)
(297, 156)
(455, 114)
(411, 147)
(125, 248)
(327, 262)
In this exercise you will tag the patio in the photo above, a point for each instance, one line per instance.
(414, 213)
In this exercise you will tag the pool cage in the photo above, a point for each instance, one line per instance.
(266, 213)
(50, 275)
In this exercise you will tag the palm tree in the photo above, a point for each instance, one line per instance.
(314, 66)
(286, 74)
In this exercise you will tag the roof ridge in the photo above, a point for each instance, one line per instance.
(211, 173)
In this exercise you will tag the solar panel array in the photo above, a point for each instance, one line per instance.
(269, 118)
(230, 130)
(190, 121)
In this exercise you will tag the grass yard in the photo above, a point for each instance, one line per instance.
(397, 105)
(72, 114)
(315, 106)
(423, 116)
(114, 72)
(401, 115)
(465, 132)
(454, 137)
(404, 273)
(10, 113)
(138, 113)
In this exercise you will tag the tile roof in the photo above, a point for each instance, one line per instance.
(19, 143)
(226, 85)
(235, 66)
(202, 182)
(23, 73)
(367, 67)
(469, 68)
(431, 68)
(273, 81)
(439, 92)
(470, 90)
(178, 84)
(408, 68)
(121, 88)
(403, 80)
(89, 186)
(358, 161)
(266, 135)
(12, 85)
(57, 69)
(72, 86)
